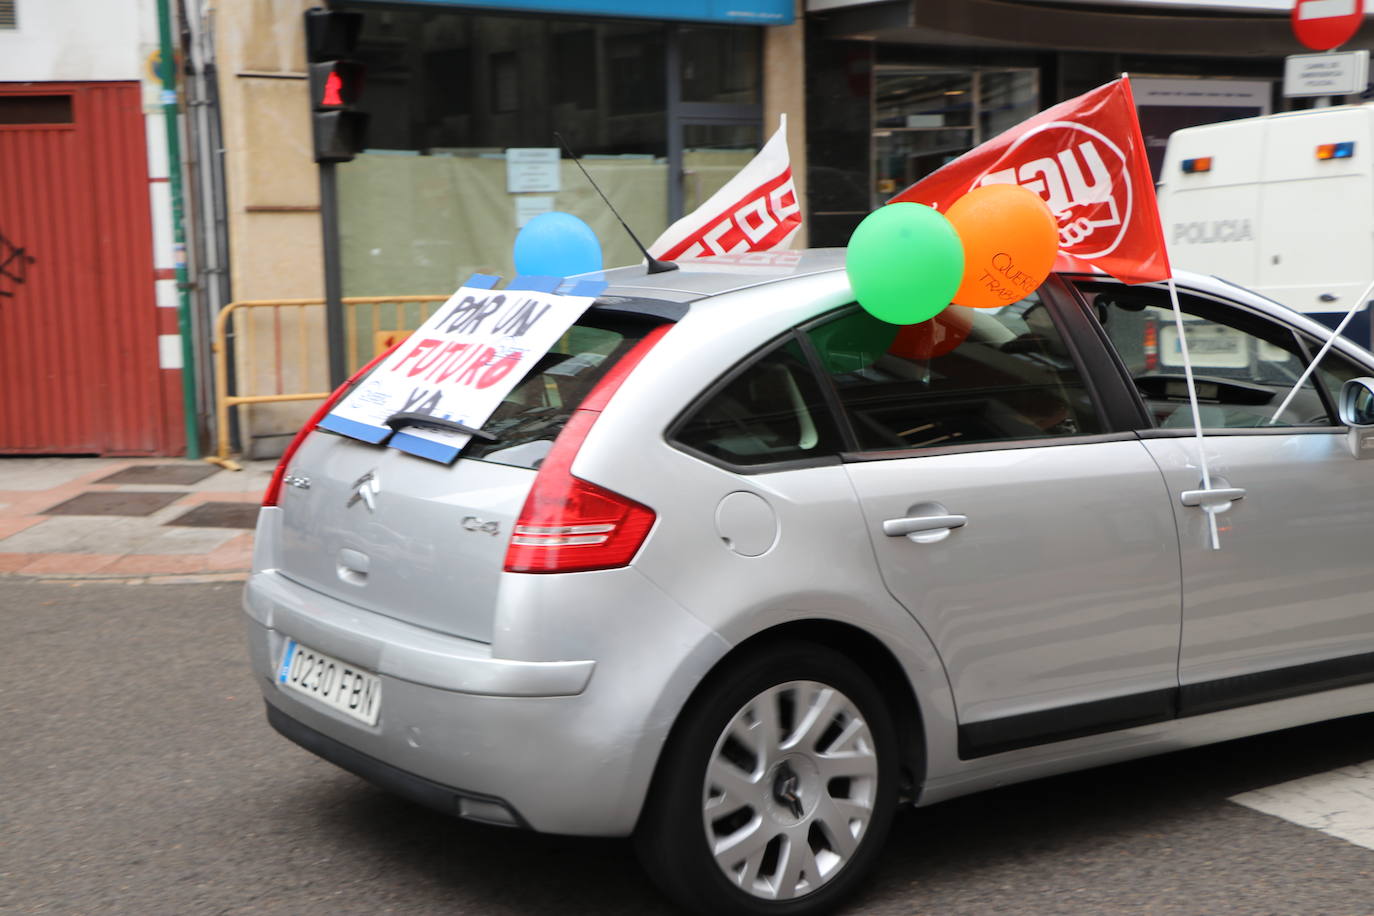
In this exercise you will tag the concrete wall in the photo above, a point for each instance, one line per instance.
(78, 40)
(784, 92)
(273, 183)
(273, 198)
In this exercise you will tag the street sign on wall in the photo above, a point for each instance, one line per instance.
(739, 12)
(1325, 24)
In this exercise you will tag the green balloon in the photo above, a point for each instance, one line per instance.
(904, 262)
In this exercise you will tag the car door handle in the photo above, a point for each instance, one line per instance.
(1215, 496)
(900, 527)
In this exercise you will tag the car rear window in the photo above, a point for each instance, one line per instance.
(531, 416)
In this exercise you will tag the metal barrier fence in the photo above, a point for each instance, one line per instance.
(273, 341)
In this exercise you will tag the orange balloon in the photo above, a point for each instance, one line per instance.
(1010, 242)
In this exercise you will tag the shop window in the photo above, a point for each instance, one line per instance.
(505, 82)
(1005, 99)
(721, 65)
(575, 68)
(923, 100)
(712, 154)
(448, 82)
(638, 83)
(449, 91)
(426, 205)
(905, 156)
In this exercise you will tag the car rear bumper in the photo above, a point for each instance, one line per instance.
(557, 746)
(427, 792)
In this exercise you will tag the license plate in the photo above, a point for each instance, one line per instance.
(327, 680)
(1216, 345)
(1211, 345)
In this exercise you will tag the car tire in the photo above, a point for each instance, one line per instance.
(776, 788)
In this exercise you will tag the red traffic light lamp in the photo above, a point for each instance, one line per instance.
(333, 86)
(336, 84)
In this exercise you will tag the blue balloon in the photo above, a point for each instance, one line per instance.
(556, 245)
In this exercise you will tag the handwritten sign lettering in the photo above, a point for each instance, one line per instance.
(457, 366)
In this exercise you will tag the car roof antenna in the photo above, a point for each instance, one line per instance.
(655, 265)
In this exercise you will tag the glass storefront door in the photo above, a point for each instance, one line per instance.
(923, 118)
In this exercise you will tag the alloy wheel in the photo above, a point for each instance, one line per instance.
(789, 790)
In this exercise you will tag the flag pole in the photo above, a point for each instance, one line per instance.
(1359, 301)
(1197, 418)
(1192, 397)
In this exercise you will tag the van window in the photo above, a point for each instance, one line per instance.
(965, 376)
(771, 411)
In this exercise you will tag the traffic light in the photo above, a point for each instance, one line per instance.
(336, 84)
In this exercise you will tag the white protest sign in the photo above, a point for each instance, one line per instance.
(458, 366)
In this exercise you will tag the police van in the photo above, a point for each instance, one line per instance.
(1282, 204)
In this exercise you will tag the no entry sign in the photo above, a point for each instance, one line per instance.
(1324, 24)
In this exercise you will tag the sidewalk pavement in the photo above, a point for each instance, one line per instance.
(133, 519)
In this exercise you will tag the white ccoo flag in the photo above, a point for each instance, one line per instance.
(757, 210)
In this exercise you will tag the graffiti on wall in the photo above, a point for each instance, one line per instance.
(14, 266)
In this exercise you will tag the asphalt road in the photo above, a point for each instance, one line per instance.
(137, 775)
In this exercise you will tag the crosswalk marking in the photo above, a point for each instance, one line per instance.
(1339, 803)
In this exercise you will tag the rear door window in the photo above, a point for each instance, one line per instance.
(966, 376)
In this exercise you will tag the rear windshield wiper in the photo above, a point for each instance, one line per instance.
(400, 420)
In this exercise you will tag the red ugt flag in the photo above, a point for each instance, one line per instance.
(1086, 159)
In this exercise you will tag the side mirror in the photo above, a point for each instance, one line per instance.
(1356, 410)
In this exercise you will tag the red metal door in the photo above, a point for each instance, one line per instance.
(79, 323)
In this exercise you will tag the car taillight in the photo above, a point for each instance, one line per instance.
(568, 524)
(273, 494)
(1150, 341)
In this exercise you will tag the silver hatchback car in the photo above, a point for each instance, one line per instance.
(737, 569)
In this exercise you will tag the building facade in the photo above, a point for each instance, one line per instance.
(663, 102)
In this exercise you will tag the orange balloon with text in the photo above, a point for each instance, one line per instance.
(1010, 242)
